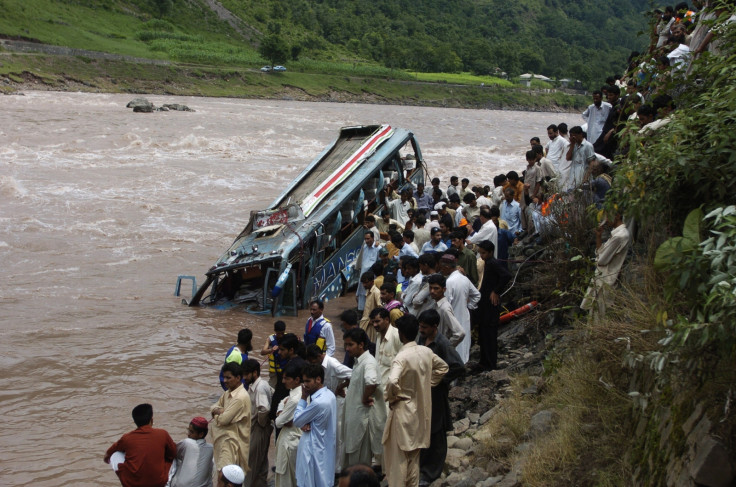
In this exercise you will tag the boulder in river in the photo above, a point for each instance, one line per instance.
(140, 105)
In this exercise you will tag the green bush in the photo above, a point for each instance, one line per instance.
(673, 176)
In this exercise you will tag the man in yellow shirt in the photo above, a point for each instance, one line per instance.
(414, 371)
(231, 422)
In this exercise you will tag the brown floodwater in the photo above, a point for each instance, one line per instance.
(101, 208)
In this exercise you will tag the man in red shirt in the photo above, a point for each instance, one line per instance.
(142, 458)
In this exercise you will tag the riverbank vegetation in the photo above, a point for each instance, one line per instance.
(645, 395)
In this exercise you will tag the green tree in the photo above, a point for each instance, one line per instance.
(163, 7)
(274, 49)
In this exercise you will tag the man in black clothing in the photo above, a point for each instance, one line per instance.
(288, 350)
(432, 459)
(495, 279)
(608, 141)
(348, 321)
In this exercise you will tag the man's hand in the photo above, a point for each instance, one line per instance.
(495, 299)
(217, 411)
(306, 428)
(305, 394)
(368, 402)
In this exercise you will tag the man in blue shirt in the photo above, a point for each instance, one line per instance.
(435, 243)
(315, 457)
(424, 201)
(238, 353)
(511, 211)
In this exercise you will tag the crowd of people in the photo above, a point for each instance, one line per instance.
(434, 265)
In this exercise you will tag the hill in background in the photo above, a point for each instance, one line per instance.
(585, 39)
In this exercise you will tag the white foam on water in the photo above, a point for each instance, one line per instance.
(49, 271)
(12, 188)
(134, 258)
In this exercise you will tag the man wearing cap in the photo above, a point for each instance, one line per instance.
(434, 218)
(444, 215)
(194, 457)
(232, 476)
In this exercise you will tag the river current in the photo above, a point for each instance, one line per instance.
(100, 210)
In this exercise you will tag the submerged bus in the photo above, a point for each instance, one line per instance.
(304, 245)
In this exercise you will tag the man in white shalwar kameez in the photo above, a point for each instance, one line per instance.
(360, 401)
(463, 296)
(610, 258)
(288, 440)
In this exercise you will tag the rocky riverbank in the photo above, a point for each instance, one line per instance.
(477, 398)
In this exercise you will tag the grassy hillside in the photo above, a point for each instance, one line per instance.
(584, 39)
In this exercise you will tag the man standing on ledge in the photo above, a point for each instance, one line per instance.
(142, 457)
(414, 371)
(231, 422)
(315, 458)
(319, 329)
(495, 278)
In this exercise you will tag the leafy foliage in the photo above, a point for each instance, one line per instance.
(560, 39)
(274, 49)
(674, 176)
(583, 39)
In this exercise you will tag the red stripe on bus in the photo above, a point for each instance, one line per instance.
(349, 164)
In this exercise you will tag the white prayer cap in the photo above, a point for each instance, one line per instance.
(439, 205)
(233, 474)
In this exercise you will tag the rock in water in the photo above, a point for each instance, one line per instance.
(178, 107)
(140, 102)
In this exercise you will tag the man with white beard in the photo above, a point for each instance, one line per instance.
(462, 295)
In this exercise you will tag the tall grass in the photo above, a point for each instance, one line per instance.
(463, 78)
